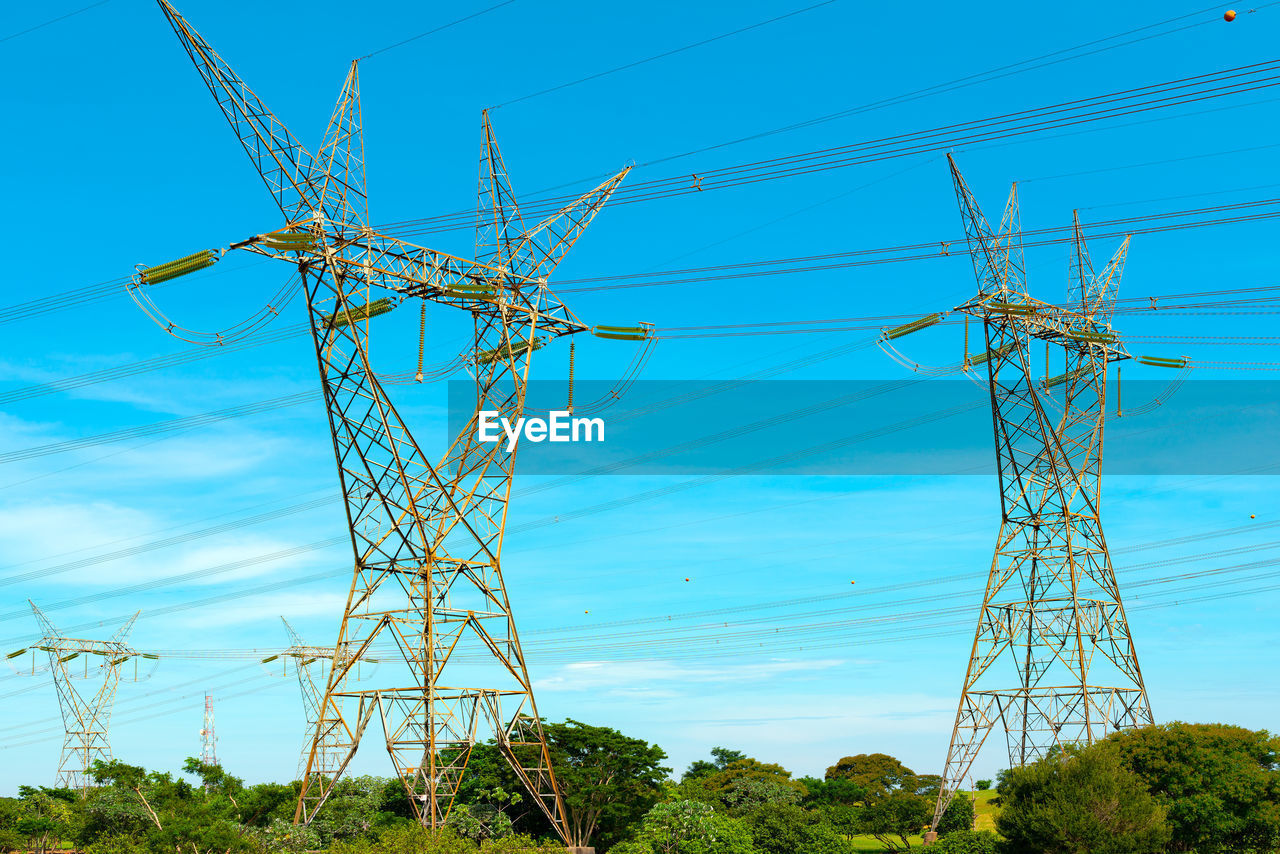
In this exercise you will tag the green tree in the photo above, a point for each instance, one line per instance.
(10, 839)
(1079, 802)
(669, 825)
(609, 780)
(790, 829)
(43, 816)
(1220, 783)
(355, 808)
(983, 785)
(721, 758)
(745, 794)
(839, 790)
(878, 773)
(959, 815)
(893, 818)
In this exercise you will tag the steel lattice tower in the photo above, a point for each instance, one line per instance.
(208, 735)
(311, 666)
(1053, 661)
(427, 538)
(85, 718)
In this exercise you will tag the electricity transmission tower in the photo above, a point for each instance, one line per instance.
(1053, 661)
(208, 735)
(427, 538)
(85, 717)
(311, 667)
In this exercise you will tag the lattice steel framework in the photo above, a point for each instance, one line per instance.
(85, 717)
(427, 538)
(1053, 661)
(310, 665)
(208, 734)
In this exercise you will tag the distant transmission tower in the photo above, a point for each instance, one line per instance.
(311, 666)
(208, 735)
(1053, 661)
(427, 538)
(85, 718)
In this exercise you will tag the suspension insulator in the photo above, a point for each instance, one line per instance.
(463, 291)
(307, 661)
(121, 660)
(1161, 362)
(68, 657)
(508, 351)
(179, 266)
(16, 654)
(1092, 337)
(150, 655)
(982, 358)
(1010, 308)
(290, 241)
(622, 333)
(269, 659)
(379, 306)
(913, 326)
(1053, 382)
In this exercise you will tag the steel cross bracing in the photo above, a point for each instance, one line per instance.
(427, 538)
(311, 665)
(85, 717)
(1053, 661)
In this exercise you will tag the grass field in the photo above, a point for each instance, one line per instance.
(984, 819)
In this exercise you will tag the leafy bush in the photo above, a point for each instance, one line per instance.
(670, 824)
(404, 839)
(519, 844)
(1079, 802)
(966, 842)
(279, 837)
(789, 829)
(745, 794)
(1220, 783)
(116, 843)
(959, 814)
(983, 785)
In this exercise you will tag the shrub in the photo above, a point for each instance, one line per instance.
(404, 839)
(966, 842)
(1220, 783)
(1079, 802)
(789, 829)
(279, 837)
(116, 843)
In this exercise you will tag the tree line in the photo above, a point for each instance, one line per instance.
(1205, 788)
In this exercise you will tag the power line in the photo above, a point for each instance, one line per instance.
(1120, 103)
(440, 28)
(663, 55)
(54, 20)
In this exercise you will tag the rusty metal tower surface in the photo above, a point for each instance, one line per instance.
(85, 717)
(1053, 661)
(427, 538)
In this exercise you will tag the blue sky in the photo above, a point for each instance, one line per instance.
(120, 157)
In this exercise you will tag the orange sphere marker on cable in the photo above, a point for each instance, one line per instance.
(1229, 16)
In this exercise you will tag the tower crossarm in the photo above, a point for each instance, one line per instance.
(417, 271)
(1072, 329)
